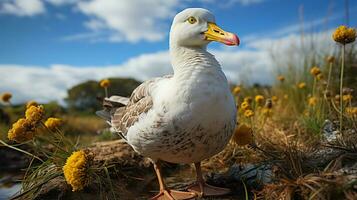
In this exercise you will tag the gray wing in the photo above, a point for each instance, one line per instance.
(121, 117)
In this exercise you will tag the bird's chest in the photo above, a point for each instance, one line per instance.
(205, 100)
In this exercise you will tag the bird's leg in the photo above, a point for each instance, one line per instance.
(166, 194)
(202, 188)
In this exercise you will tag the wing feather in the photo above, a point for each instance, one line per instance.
(139, 102)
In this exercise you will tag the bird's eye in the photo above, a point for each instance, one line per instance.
(192, 20)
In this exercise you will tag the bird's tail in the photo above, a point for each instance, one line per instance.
(110, 106)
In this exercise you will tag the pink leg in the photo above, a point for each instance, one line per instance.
(201, 188)
(166, 194)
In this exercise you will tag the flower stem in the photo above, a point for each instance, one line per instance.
(106, 91)
(329, 76)
(20, 150)
(314, 87)
(341, 87)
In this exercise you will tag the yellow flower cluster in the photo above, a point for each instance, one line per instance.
(53, 123)
(236, 90)
(259, 99)
(5, 97)
(312, 101)
(31, 103)
(104, 83)
(24, 129)
(245, 105)
(21, 131)
(248, 113)
(344, 35)
(76, 170)
(301, 85)
(34, 114)
(243, 135)
(315, 71)
(347, 97)
(281, 78)
(351, 111)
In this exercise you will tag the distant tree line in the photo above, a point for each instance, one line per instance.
(86, 97)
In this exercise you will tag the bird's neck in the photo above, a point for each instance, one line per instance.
(190, 59)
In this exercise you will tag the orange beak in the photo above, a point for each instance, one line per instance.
(215, 33)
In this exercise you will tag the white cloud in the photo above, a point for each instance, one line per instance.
(50, 83)
(61, 2)
(132, 20)
(23, 7)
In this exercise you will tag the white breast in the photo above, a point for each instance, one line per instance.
(192, 119)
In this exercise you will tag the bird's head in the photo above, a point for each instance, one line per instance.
(197, 27)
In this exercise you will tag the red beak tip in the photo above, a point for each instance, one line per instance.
(236, 39)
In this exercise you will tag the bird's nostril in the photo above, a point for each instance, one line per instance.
(216, 31)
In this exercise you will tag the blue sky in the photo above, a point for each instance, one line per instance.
(101, 36)
(40, 39)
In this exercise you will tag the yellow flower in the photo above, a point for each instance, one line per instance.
(34, 114)
(76, 169)
(347, 97)
(104, 83)
(274, 98)
(351, 111)
(5, 97)
(330, 59)
(315, 71)
(319, 77)
(248, 99)
(259, 99)
(312, 101)
(21, 131)
(236, 90)
(244, 105)
(53, 123)
(281, 78)
(248, 113)
(344, 35)
(31, 103)
(301, 85)
(243, 135)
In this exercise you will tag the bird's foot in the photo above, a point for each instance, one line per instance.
(174, 195)
(203, 189)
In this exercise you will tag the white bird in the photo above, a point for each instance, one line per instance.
(185, 117)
